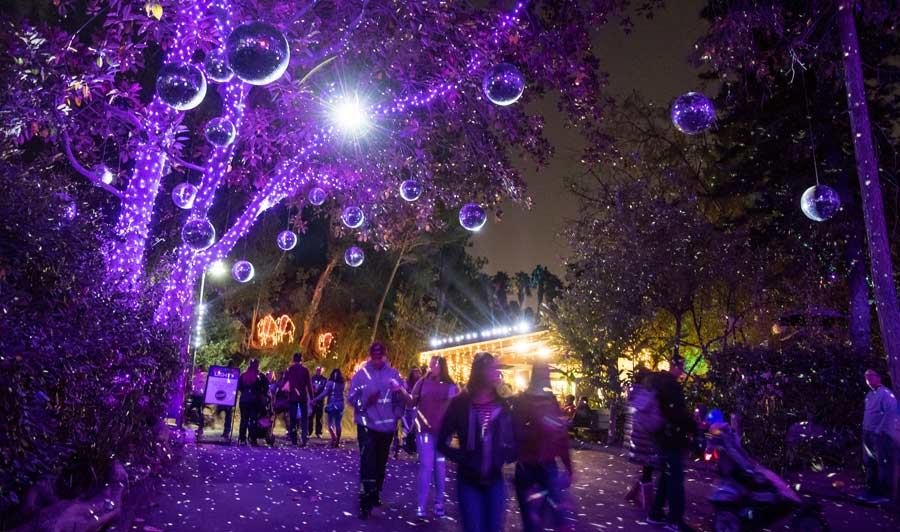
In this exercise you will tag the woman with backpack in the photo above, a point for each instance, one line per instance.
(334, 410)
(642, 420)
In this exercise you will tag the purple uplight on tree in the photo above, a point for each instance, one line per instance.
(503, 84)
(410, 190)
(220, 132)
(287, 240)
(820, 202)
(198, 234)
(693, 113)
(181, 86)
(216, 67)
(183, 195)
(354, 257)
(316, 196)
(353, 217)
(472, 217)
(258, 53)
(242, 271)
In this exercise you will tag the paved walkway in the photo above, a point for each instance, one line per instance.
(221, 489)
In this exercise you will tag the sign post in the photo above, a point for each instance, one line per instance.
(221, 388)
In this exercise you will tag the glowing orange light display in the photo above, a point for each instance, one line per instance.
(272, 331)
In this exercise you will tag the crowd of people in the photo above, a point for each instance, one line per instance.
(481, 430)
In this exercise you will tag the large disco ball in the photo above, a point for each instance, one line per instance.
(198, 234)
(820, 202)
(287, 240)
(216, 66)
(503, 84)
(353, 217)
(410, 190)
(317, 196)
(181, 86)
(472, 216)
(354, 256)
(220, 132)
(183, 195)
(693, 113)
(242, 271)
(258, 53)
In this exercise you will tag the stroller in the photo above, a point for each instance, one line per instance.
(265, 425)
(751, 497)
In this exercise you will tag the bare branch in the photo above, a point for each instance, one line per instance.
(192, 166)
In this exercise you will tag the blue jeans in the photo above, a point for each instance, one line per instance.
(670, 486)
(334, 418)
(483, 505)
(296, 408)
(543, 480)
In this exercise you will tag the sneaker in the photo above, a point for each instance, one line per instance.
(680, 527)
(439, 510)
(421, 513)
(656, 519)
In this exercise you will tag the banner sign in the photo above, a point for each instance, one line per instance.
(221, 386)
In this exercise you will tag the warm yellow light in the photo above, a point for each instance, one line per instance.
(271, 332)
(521, 346)
(521, 382)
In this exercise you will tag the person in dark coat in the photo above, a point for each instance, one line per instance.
(254, 387)
(482, 422)
(642, 420)
(301, 391)
(672, 441)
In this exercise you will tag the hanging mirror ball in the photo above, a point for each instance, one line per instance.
(216, 66)
(503, 84)
(258, 53)
(198, 234)
(242, 271)
(104, 173)
(410, 190)
(183, 195)
(181, 86)
(820, 202)
(353, 217)
(220, 132)
(316, 196)
(287, 240)
(472, 216)
(693, 113)
(354, 256)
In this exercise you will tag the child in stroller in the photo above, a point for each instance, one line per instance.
(751, 497)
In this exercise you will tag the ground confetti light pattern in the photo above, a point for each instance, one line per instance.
(219, 488)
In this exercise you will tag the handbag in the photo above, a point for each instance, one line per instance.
(332, 408)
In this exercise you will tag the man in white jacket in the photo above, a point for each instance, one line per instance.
(376, 408)
(878, 417)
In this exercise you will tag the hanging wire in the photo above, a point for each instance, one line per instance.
(812, 137)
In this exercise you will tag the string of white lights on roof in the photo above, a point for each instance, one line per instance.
(494, 332)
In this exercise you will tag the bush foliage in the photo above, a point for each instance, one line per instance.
(806, 381)
(84, 374)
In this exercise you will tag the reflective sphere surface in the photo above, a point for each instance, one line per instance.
(503, 84)
(693, 113)
(258, 53)
(820, 202)
(353, 217)
(198, 234)
(354, 256)
(181, 86)
(472, 216)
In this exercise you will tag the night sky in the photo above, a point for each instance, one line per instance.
(651, 60)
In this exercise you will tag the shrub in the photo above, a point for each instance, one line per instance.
(84, 374)
(807, 381)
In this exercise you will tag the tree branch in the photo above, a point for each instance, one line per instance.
(192, 166)
(94, 178)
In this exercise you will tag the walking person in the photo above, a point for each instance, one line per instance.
(318, 385)
(642, 420)
(377, 406)
(198, 391)
(878, 417)
(254, 388)
(542, 438)
(673, 440)
(301, 391)
(407, 422)
(430, 398)
(334, 410)
(482, 422)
